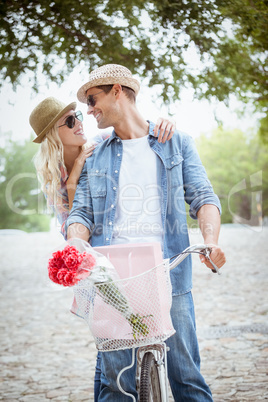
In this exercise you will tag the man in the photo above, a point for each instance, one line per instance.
(133, 189)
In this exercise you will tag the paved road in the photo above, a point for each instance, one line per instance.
(46, 353)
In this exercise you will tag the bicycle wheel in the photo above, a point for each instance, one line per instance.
(150, 390)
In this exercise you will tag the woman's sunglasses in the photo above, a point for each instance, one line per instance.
(91, 100)
(70, 121)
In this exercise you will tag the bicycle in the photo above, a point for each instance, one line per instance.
(151, 377)
(149, 298)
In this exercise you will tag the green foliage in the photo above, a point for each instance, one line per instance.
(263, 130)
(237, 166)
(240, 57)
(21, 201)
(218, 47)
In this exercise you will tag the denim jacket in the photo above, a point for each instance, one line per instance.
(183, 178)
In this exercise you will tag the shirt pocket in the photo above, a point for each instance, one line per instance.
(174, 170)
(98, 183)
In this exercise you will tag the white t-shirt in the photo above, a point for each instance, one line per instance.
(138, 211)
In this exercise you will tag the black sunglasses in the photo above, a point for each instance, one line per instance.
(91, 100)
(70, 121)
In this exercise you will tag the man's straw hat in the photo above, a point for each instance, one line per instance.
(107, 75)
(46, 114)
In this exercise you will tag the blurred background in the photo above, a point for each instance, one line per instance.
(201, 63)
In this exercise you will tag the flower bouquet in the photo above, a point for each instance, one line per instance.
(77, 264)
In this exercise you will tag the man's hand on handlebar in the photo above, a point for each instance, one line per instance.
(216, 255)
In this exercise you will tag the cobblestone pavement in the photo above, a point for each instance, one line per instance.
(46, 353)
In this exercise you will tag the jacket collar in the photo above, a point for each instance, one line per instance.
(115, 136)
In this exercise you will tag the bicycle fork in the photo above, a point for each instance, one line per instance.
(160, 353)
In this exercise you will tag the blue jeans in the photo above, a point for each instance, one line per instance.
(97, 378)
(186, 381)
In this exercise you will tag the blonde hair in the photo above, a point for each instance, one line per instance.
(47, 162)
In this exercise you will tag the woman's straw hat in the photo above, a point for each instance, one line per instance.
(46, 114)
(107, 75)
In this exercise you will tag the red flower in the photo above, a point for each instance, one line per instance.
(88, 261)
(70, 279)
(71, 257)
(52, 273)
(69, 250)
(56, 259)
(72, 262)
(68, 266)
(61, 274)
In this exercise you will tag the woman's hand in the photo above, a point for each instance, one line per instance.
(164, 129)
(80, 160)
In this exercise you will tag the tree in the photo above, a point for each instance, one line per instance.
(22, 204)
(237, 166)
(216, 46)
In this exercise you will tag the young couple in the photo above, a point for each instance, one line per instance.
(135, 179)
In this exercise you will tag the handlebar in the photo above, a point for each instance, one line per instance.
(195, 248)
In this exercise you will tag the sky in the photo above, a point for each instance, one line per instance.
(191, 116)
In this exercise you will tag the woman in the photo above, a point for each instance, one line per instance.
(62, 153)
(61, 157)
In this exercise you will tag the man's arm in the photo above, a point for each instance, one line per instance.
(79, 224)
(79, 231)
(204, 204)
(209, 222)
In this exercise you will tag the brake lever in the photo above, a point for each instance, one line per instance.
(207, 252)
